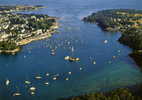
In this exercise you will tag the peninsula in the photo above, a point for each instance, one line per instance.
(126, 21)
(17, 29)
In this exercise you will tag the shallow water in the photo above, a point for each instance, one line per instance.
(88, 43)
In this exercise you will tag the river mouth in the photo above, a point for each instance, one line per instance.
(88, 43)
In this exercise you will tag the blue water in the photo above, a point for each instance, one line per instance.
(87, 40)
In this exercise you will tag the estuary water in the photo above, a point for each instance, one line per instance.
(113, 68)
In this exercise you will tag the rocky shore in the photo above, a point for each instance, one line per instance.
(20, 29)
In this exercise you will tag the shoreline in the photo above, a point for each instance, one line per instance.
(40, 37)
(17, 8)
(20, 29)
(32, 39)
(13, 52)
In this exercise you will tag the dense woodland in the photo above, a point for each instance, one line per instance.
(116, 19)
(126, 21)
(118, 94)
(8, 45)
